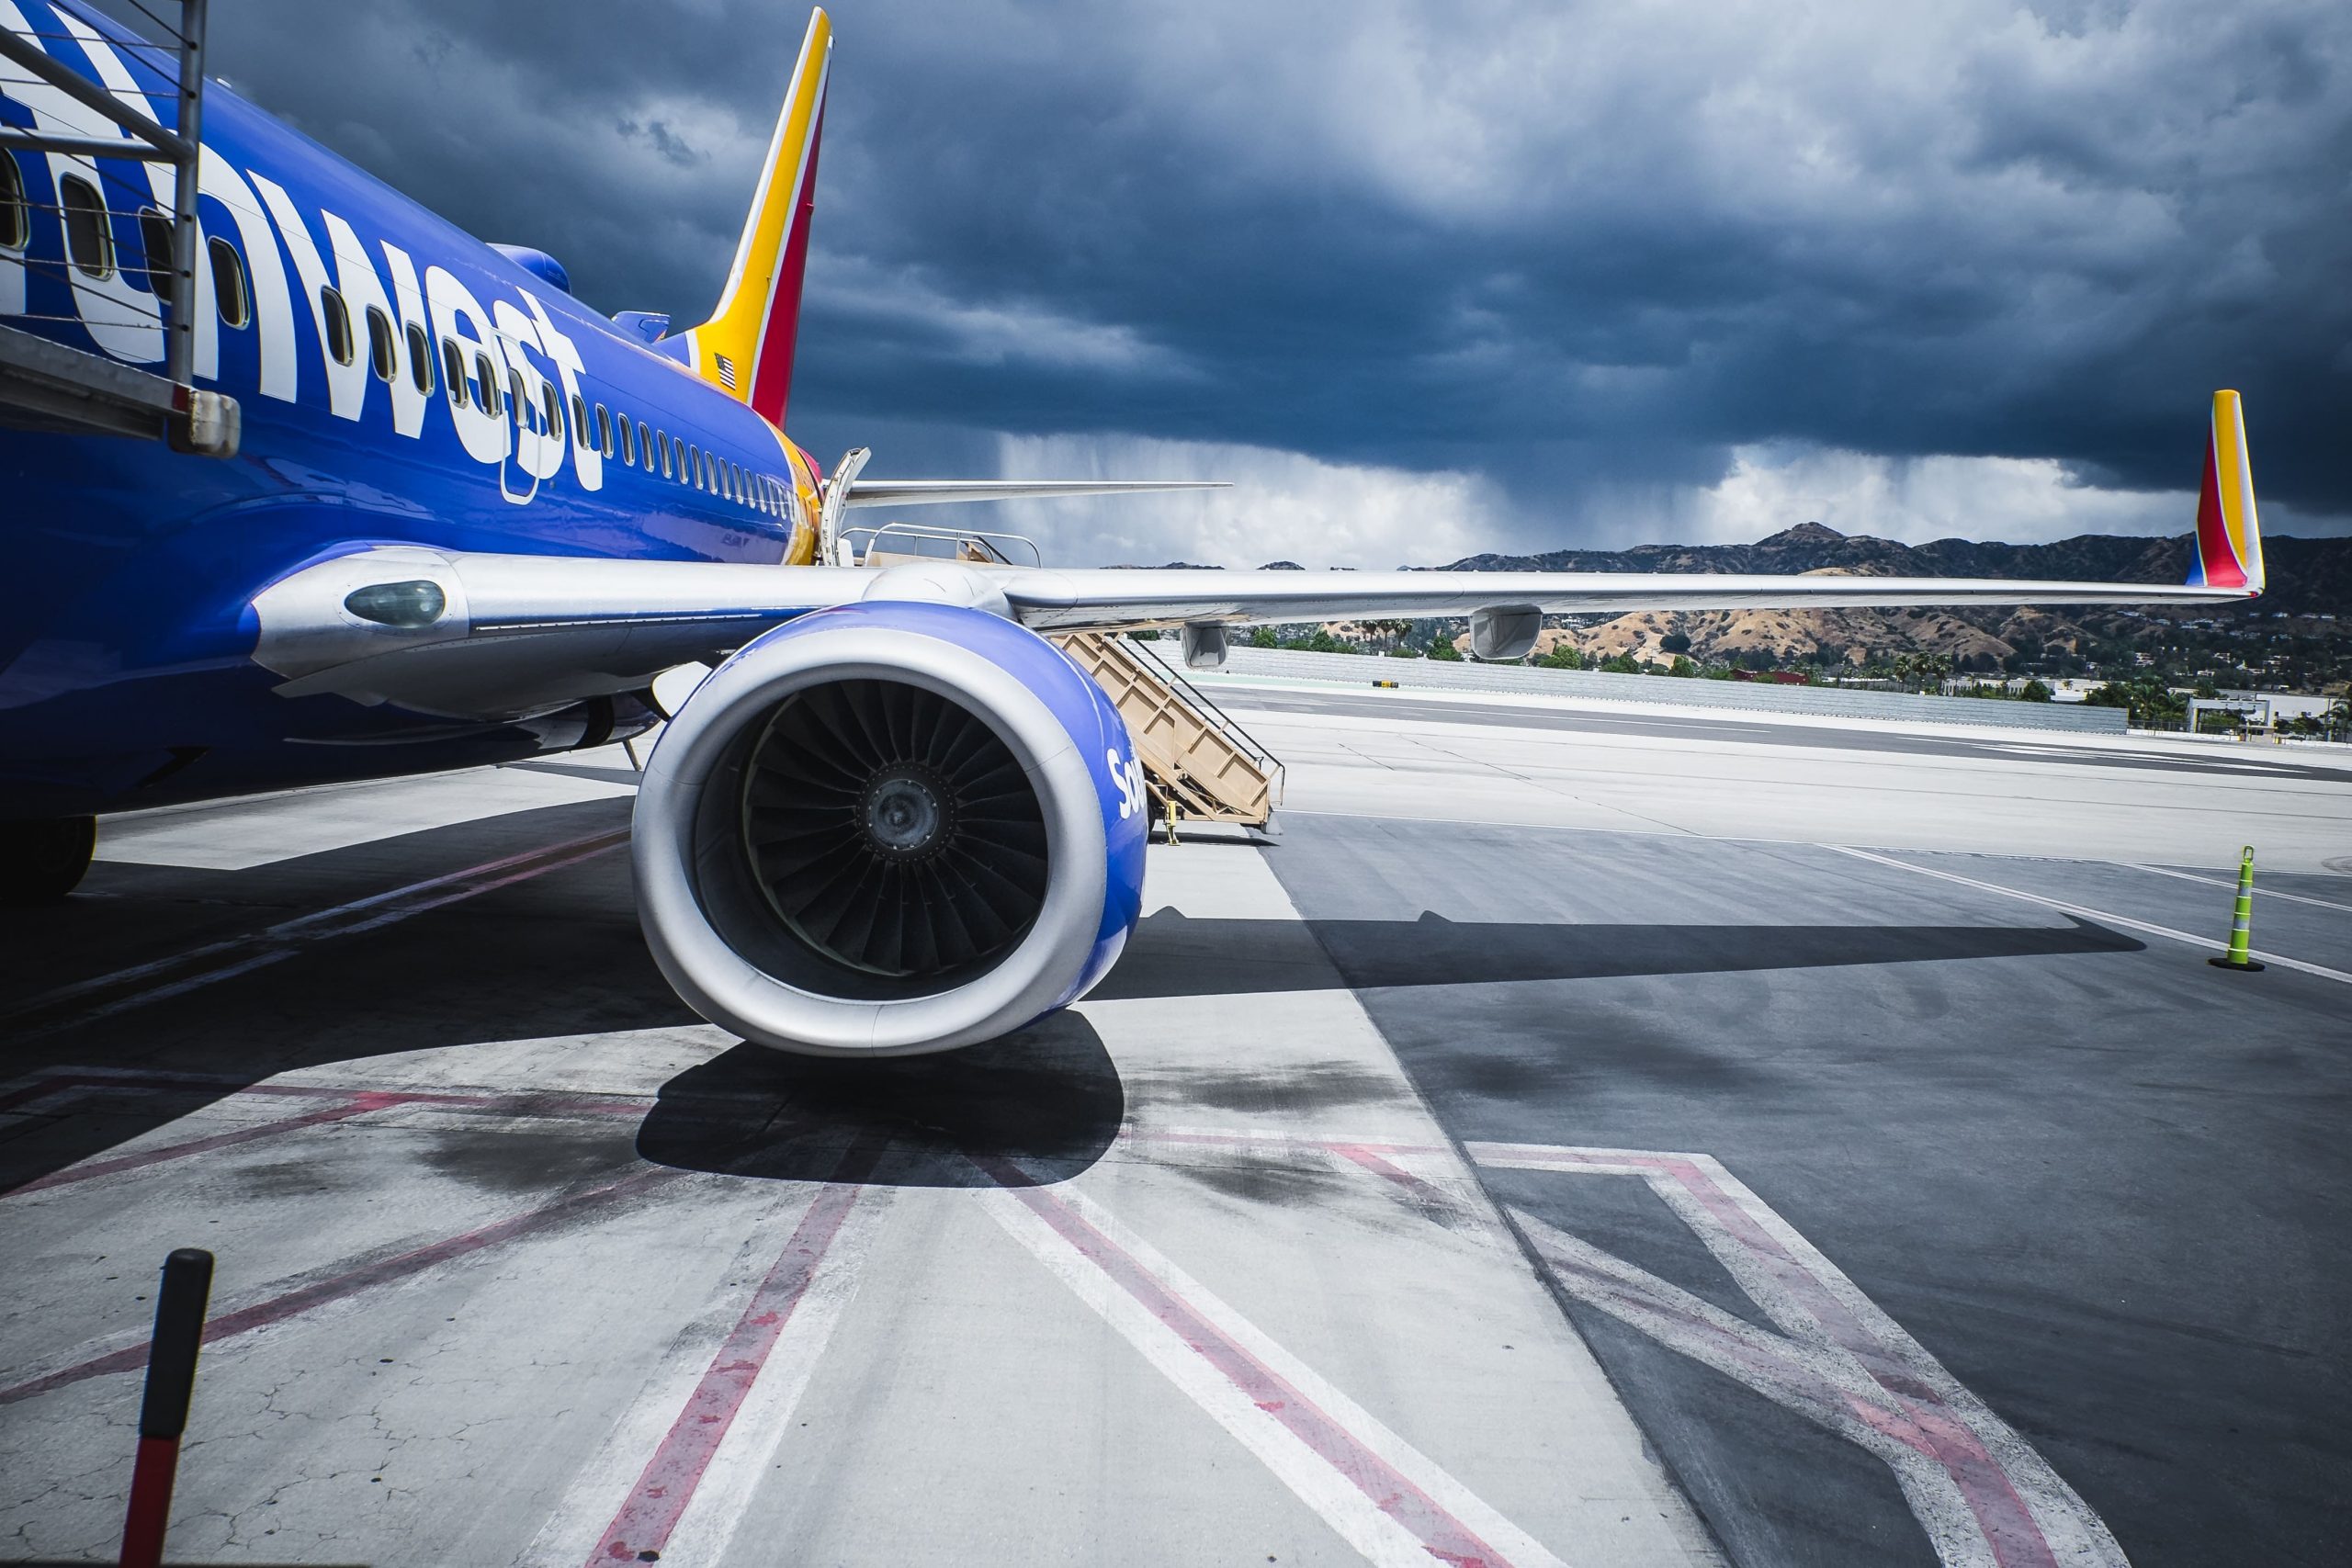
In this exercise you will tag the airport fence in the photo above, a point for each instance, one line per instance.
(1527, 680)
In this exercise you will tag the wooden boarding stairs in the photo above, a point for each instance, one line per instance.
(1199, 764)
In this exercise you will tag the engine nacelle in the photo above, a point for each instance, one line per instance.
(888, 828)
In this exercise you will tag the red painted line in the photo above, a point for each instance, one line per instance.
(1432, 1198)
(358, 1102)
(1278, 1140)
(319, 1118)
(337, 1287)
(1446, 1538)
(528, 1102)
(659, 1499)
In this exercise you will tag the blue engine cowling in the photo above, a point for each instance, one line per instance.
(888, 828)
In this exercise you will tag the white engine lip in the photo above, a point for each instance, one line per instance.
(728, 990)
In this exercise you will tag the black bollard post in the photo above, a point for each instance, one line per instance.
(163, 1415)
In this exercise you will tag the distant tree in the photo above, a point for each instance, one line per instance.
(1562, 657)
(2151, 704)
(1682, 667)
(1442, 648)
(1264, 637)
(1623, 664)
(2035, 692)
(1401, 652)
(1674, 642)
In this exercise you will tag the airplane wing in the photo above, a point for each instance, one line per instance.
(460, 632)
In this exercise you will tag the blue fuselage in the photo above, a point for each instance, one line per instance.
(126, 675)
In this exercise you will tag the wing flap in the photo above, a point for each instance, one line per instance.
(1070, 600)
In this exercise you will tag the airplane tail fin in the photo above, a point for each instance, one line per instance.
(2229, 538)
(746, 346)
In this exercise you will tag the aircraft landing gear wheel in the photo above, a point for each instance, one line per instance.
(41, 863)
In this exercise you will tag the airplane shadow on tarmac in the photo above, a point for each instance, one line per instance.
(1172, 955)
(1043, 1105)
(1033, 1108)
(1040, 1105)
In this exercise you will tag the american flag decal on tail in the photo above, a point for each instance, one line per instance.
(725, 371)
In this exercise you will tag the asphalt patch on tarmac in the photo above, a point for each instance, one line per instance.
(2103, 1191)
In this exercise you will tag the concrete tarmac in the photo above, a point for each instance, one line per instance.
(1522, 1159)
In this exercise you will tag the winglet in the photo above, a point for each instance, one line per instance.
(2229, 539)
(746, 346)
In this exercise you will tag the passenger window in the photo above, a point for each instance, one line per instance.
(603, 431)
(453, 372)
(662, 443)
(549, 406)
(525, 414)
(580, 431)
(338, 320)
(89, 241)
(383, 347)
(16, 214)
(229, 296)
(645, 446)
(420, 358)
(488, 394)
(156, 238)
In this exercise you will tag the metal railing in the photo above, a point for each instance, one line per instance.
(959, 538)
(1249, 744)
(42, 377)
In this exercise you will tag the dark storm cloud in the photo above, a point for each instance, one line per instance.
(1569, 248)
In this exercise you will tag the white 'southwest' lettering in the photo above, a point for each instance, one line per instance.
(587, 460)
(459, 316)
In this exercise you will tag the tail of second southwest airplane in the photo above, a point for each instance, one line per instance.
(2229, 538)
(746, 346)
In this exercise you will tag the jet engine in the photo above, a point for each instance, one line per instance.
(888, 828)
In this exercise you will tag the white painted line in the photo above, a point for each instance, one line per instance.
(2101, 916)
(603, 1486)
(2232, 886)
(1384, 1498)
(239, 835)
(290, 937)
(1985, 1498)
(748, 1454)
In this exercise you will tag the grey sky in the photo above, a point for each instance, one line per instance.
(1450, 277)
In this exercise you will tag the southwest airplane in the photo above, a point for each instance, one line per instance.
(466, 519)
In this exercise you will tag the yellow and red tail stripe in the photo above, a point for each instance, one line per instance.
(2229, 538)
(746, 346)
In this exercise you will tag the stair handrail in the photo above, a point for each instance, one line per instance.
(983, 539)
(1257, 751)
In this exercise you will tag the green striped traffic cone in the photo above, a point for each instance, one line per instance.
(2242, 922)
